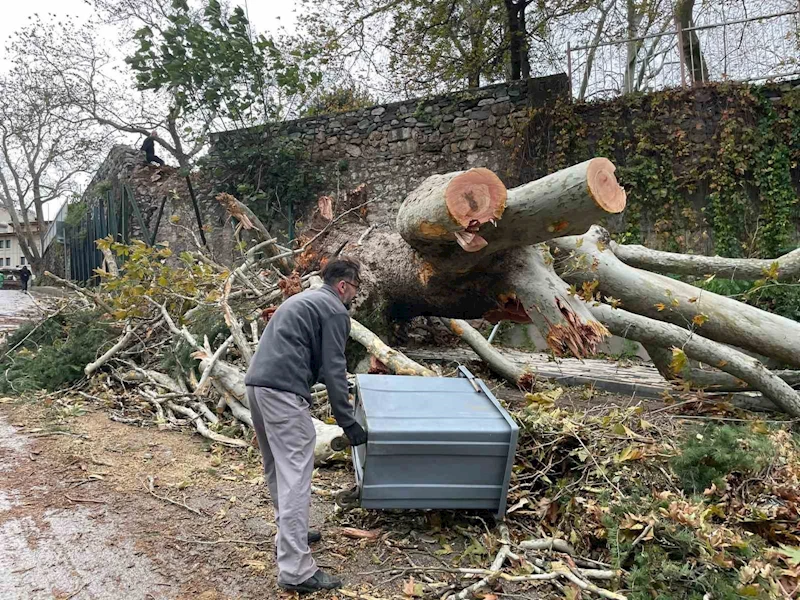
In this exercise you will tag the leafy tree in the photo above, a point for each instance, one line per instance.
(422, 46)
(188, 71)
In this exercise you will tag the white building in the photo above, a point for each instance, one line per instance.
(10, 251)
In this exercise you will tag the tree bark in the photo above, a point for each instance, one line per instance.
(692, 52)
(564, 320)
(498, 363)
(562, 203)
(783, 268)
(705, 379)
(397, 362)
(713, 316)
(652, 332)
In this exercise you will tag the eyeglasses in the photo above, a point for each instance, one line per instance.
(355, 287)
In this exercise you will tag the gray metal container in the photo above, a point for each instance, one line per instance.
(434, 443)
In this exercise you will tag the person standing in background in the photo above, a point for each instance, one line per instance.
(24, 275)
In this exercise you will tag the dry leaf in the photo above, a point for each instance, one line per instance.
(412, 589)
(660, 306)
(360, 534)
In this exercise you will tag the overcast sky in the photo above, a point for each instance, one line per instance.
(265, 16)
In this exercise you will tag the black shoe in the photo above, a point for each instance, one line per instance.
(314, 536)
(318, 581)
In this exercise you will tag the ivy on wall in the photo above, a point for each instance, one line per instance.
(275, 177)
(711, 169)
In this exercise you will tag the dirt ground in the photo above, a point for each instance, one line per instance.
(77, 519)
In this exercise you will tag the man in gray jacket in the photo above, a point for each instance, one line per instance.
(302, 344)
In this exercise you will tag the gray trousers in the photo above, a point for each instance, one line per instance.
(286, 438)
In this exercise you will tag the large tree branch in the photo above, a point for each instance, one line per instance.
(589, 259)
(783, 268)
(652, 332)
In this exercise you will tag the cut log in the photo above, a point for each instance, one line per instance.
(564, 320)
(452, 207)
(711, 315)
(563, 203)
(652, 332)
(498, 363)
(708, 379)
(397, 362)
(786, 267)
(231, 380)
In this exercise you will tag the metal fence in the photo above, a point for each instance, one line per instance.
(112, 215)
(750, 49)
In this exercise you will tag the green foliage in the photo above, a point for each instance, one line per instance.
(147, 276)
(211, 64)
(717, 162)
(75, 213)
(274, 177)
(55, 353)
(338, 99)
(714, 452)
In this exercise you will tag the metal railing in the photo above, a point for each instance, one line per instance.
(749, 49)
(56, 229)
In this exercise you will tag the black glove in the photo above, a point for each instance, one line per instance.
(356, 434)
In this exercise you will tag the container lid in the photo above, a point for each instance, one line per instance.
(444, 407)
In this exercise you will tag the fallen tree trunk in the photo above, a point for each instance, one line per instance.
(564, 202)
(398, 362)
(783, 268)
(452, 207)
(231, 380)
(704, 379)
(652, 332)
(588, 258)
(498, 363)
(564, 320)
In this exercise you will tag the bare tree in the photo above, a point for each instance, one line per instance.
(45, 144)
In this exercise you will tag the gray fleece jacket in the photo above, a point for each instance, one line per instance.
(304, 343)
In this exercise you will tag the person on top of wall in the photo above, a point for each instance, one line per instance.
(149, 148)
(24, 275)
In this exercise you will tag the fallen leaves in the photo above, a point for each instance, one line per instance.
(412, 589)
(360, 534)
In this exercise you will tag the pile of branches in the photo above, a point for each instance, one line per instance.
(180, 332)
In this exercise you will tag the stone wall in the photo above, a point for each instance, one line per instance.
(151, 186)
(393, 147)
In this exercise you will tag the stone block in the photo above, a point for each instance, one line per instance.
(376, 112)
(446, 127)
(479, 115)
(467, 145)
(486, 102)
(485, 142)
(352, 150)
(460, 121)
(501, 109)
(363, 124)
